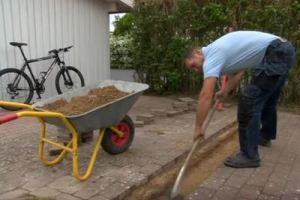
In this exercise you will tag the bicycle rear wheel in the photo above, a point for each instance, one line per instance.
(15, 86)
(68, 78)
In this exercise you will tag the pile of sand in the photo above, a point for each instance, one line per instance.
(81, 104)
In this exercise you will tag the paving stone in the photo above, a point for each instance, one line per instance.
(45, 192)
(146, 118)
(202, 194)
(294, 175)
(139, 123)
(94, 187)
(114, 190)
(173, 113)
(98, 197)
(274, 189)
(66, 184)
(128, 175)
(186, 99)
(267, 197)
(236, 181)
(10, 181)
(149, 169)
(13, 194)
(159, 112)
(66, 197)
(213, 183)
(249, 192)
(244, 172)
(226, 193)
(180, 106)
(38, 182)
(293, 187)
(223, 172)
(193, 107)
(257, 180)
(290, 196)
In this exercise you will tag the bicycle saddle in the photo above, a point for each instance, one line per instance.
(17, 44)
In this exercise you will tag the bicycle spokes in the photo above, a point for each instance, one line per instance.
(69, 80)
(16, 87)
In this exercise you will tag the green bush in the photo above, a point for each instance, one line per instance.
(161, 31)
(121, 52)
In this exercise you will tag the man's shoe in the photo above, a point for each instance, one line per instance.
(240, 160)
(264, 142)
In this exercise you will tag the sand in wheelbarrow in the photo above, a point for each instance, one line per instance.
(81, 104)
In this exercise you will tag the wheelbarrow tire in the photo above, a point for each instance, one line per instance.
(113, 144)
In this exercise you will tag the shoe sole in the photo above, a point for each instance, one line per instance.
(265, 145)
(253, 165)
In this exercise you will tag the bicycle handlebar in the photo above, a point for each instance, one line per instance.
(56, 51)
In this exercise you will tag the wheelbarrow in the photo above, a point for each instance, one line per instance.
(116, 129)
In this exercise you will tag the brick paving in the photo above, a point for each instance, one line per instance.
(277, 178)
(155, 145)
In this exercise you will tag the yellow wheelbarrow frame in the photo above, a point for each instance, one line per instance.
(71, 147)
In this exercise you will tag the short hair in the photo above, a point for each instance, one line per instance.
(190, 52)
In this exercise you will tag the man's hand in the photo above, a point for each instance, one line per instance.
(198, 133)
(221, 95)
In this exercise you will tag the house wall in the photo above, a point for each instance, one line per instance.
(49, 24)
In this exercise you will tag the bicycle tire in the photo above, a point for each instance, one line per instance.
(27, 79)
(60, 73)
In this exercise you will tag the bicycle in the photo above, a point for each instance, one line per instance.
(20, 87)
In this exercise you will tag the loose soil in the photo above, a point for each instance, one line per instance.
(208, 159)
(81, 104)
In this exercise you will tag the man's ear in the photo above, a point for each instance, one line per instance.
(197, 51)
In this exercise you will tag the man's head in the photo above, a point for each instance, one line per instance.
(194, 59)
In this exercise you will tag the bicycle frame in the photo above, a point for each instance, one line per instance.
(26, 64)
(36, 82)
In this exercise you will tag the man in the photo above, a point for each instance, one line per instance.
(270, 57)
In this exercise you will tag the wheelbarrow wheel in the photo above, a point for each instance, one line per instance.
(112, 143)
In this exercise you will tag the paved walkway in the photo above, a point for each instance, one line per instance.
(155, 146)
(277, 178)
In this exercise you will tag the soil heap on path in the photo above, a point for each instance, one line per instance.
(81, 104)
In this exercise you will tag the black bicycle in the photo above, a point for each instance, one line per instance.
(17, 86)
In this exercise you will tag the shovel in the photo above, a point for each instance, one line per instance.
(174, 192)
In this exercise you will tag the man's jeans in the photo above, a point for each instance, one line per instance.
(257, 114)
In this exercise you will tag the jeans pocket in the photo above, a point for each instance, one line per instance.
(276, 58)
(246, 104)
(245, 111)
(265, 82)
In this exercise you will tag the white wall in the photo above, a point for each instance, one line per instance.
(49, 24)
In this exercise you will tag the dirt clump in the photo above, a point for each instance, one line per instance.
(81, 104)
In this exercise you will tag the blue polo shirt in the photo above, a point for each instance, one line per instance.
(235, 51)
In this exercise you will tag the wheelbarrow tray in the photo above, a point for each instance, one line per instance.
(100, 117)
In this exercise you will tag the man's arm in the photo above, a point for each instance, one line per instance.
(233, 82)
(231, 85)
(204, 104)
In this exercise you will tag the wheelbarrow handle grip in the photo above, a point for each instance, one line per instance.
(8, 117)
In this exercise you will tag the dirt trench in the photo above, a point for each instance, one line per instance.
(205, 161)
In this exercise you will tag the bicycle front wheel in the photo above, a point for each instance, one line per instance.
(15, 86)
(68, 78)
